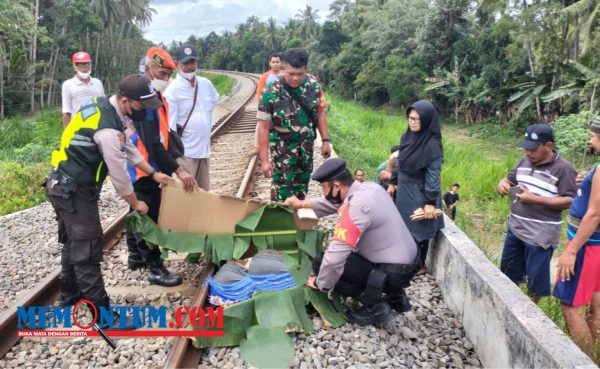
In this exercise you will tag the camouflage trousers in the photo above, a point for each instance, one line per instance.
(292, 167)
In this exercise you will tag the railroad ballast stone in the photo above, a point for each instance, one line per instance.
(427, 337)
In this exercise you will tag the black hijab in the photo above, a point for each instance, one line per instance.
(418, 149)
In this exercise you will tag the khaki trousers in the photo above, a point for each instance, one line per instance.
(199, 168)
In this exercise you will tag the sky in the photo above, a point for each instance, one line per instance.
(178, 19)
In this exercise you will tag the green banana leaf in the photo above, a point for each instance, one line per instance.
(237, 318)
(240, 246)
(267, 347)
(326, 309)
(268, 218)
(221, 248)
(284, 308)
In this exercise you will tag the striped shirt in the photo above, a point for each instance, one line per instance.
(536, 224)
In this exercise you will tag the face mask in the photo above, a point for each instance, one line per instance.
(187, 75)
(84, 75)
(335, 200)
(160, 85)
(137, 115)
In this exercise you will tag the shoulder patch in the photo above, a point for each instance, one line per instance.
(345, 230)
(88, 112)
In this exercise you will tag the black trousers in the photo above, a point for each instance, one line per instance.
(80, 232)
(357, 270)
(135, 243)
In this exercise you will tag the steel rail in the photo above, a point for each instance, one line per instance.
(46, 292)
(183, 354)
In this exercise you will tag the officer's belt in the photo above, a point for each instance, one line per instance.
(576, 222)
(398, 268)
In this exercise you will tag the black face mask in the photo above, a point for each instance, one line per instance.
(137, 115)
(335, 200)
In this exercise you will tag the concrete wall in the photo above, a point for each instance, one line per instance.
(506, 328)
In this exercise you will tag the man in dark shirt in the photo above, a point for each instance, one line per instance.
(451, 198)
(542, 185)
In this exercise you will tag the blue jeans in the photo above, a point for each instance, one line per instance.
(520, 260)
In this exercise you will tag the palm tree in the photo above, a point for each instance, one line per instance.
(271, 41)
(585, 13)
(308, 23)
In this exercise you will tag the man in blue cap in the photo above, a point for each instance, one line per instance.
(371, 253)
(542, 185)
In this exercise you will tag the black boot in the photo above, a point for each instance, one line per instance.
(377, 314)
(134, 258)
(159, 274)
(399, 302)
(69, 293)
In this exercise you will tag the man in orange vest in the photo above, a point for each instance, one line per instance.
(148, 130)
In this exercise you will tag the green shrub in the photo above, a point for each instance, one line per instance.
(571, 134)
(223, 84)
(32, 153)
(21, 185)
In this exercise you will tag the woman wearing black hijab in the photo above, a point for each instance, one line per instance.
(417, 173)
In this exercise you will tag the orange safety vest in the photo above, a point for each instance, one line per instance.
(163, 119)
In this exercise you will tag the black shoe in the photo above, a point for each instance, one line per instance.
(162, 277)
(135, 263)
(69, 300)
(377, 314)
(399, 303)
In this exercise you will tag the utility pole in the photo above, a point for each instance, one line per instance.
(34, 53)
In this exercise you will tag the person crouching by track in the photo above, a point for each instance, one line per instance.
(371, 252)
(148, 130)
(91, 146)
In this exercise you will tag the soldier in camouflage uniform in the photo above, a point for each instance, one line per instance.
(287, 127)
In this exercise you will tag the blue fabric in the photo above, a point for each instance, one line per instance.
(520, 260)
(221, 294)
(579, 206)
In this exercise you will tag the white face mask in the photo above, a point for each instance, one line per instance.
(160, 85)
(84, 75)
(188, 75)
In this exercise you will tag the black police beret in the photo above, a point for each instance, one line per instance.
(329, 170)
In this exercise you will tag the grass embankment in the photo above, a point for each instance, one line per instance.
(25, 147)
(222, 83)
(476, 157)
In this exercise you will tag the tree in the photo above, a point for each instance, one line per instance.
(308, 25)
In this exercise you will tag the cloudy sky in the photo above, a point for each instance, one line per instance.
(178, 19)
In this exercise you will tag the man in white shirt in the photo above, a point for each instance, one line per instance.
(80, 87)
(191, 100)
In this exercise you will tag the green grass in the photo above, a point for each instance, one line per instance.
(222, 83)
(26, 144)
(477, 157)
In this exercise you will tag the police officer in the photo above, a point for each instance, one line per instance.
(371, 251)
(150, 134)
(91, 146)
(291, 110)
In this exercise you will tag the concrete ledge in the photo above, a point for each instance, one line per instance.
(506, 328)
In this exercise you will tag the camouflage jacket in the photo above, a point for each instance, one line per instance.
(287, 117)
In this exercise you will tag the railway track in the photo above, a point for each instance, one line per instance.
(237, 127)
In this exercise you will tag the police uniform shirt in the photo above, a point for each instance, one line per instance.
(368, 223)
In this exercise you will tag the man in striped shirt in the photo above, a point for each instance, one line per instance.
(541, 186)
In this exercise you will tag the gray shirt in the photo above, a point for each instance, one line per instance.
(368, 223)
(536, 224)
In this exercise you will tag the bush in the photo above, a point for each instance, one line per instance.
(21, 185)
(571, 134)
(32, 153)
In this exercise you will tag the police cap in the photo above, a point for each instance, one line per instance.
(330, 170)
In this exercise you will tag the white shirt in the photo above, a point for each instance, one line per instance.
(74, 92)
(180, 97)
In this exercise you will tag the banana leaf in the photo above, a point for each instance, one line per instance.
(267, 347)
(221, 248)
(268, 218)
(284, 309)
(240, 246)
(237, 318)
(324, 306)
